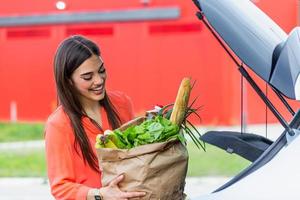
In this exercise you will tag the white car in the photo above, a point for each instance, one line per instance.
(261, 45)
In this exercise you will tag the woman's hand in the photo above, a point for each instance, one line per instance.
(113, 192)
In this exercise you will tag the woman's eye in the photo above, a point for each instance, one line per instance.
(101, 71)
(87, 78)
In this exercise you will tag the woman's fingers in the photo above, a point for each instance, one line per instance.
(114, 189)
(116, 181)
(133, 194)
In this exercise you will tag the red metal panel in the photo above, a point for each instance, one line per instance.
(90, 31)
(26, 72)
(147, 60)
(174, 28)
(17, 7)
(283, 12)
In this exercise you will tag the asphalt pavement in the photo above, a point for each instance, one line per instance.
(38, 188)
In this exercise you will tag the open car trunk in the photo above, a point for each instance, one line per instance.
(261, 45)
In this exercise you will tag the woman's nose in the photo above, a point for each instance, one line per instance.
(98, 79)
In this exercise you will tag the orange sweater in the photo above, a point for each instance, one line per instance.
(70, 178)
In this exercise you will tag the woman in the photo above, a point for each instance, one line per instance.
(85, 110)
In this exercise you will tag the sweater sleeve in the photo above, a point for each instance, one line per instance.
(60, 164)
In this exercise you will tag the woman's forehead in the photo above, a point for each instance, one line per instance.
(89, 65)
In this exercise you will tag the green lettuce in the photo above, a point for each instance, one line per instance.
(158, 129)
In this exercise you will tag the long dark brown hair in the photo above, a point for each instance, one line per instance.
(71, 53)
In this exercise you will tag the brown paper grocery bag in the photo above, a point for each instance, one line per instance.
(158, 169)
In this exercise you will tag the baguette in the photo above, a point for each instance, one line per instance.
(181, 102)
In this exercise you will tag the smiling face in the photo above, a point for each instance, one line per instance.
(89, 80)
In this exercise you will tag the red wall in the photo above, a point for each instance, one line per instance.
(146, 60)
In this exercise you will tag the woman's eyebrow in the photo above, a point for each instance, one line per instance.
(87, 73)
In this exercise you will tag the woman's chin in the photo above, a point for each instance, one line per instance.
(100, 96)
(92, 96)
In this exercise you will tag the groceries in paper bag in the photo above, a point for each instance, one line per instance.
(151, 151)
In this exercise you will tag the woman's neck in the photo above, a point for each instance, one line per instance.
(93, 111)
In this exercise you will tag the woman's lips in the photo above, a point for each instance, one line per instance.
(98, 90)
